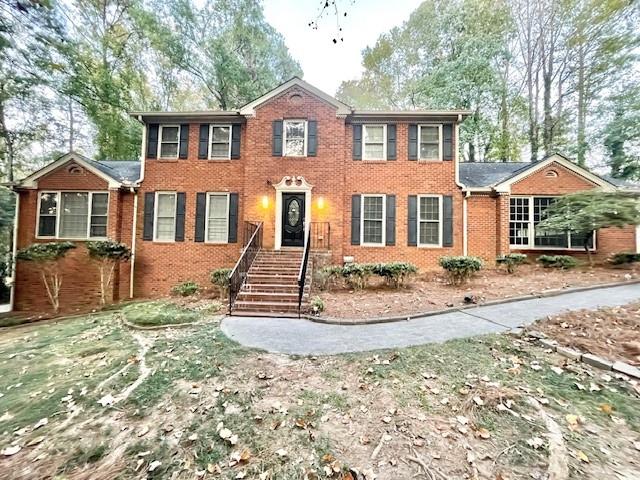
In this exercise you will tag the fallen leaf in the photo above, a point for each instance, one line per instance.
(41, 423)
(35, 441)
(282, 453)
(106, 400)
(582, 456)
(606, 408)
(12, 450)
(478, 400)
(225, 433)
(153, 465)
(535, 442)
(483, 433)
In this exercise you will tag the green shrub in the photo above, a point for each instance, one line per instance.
(5, 291)
(357, 274)
(323, 277)
(511, 261)
(220, 278)
(564, 262)
(186, 289)
(395, 273)
(317, 305)
(108, 254)
(624, 258)
(460, 269)
(158, 313)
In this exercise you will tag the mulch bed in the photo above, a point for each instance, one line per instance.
(430, 291)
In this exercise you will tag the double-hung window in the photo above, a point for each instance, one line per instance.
(169, 141)
(373, 212)
(374, 142)
(429, 221)
(220, 147)
(217, 224)
(525, 213)
(73, 215)
(430, 142)
(295, 138)
(165, 221)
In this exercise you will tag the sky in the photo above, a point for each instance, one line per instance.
(324, 64)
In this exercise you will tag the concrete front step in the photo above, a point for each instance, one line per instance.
(262, 306)
(255, 278)
(272, 287)
(253, 296)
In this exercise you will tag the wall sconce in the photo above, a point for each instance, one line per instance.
(265, 201)
(320, 203)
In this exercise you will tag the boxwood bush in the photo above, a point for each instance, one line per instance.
(461, 268)
(624, 258)
(356, 275)
(395, 274)
(186, 289)
(511, 261)
(564, 262)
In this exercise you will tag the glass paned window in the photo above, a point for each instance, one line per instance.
(294, 138)
(429, 221)
(74, 212)
(373, 142)
(169, 141)
(546, 238)
(99, 205)
(372, 219)
(220, 141)
(429, 142)
(519, 221)
(217, 221)
(165, 216)
(48, 214)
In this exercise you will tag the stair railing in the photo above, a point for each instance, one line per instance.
(302, 275)
(239, 273)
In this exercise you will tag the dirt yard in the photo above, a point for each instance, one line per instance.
(431, 292)
(88, 398)
(612, 333)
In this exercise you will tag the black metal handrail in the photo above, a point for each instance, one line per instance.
(239, 273)
(302, 275)
(320, 235)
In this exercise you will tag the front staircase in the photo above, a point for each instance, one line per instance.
(271, 286)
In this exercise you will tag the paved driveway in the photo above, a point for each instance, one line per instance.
(304, 337)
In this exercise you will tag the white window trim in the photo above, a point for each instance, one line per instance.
(532, 234)
(440, 155)
(284, 136)
(160, 142)
(440, 223)
(58, 194)
(384, 216)
(384, 141)
(157, 210)
(211, 127)
(206, 219)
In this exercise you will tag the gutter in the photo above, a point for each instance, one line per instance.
(463, 187)
(134, 221)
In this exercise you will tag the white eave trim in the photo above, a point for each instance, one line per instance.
(250, 108)
(32, 180)
(505, 186)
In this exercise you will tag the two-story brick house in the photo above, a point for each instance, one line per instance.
(364, 186)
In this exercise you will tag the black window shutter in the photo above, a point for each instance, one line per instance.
(357, 142)
(184, 141)
(391, 142)
(312, 135)
(233, 218)
(152, 140)
(447, 219)
(447, 142)
(149, 202)
(181, 198)
(412, 221)
(277, 138)
(235, 141)
(203, 141)
(355, 219)
(201, 208)
(413, 142)
(390, 232)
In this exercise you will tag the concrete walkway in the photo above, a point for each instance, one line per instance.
(304, 337)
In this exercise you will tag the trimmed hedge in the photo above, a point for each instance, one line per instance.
(356, 275)
(624, 258)
(511, 261)
(564, 262)
(461, 268)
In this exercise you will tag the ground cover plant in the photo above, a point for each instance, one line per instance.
(88, 398)
(160, 312)
(460, 269)
(564, 262)
(186, 289)
(511, 261)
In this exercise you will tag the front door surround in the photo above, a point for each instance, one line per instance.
(297, 185)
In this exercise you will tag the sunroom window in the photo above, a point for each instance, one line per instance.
(74, 215)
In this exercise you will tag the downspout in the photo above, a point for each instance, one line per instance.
(462, 186)
(134, 223)
(14, 253)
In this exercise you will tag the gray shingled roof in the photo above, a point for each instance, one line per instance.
(120, 170)
(486, 174)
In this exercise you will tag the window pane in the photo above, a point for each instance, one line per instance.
(429, 233)
(48, 203)
(169, 134)
(169, 150)
(217, 226)
(429, 135)
(429, 151)
(577, 240)
(519, 221)
(99, 204)
(429, 208)
(373, 151)
(373, 133)
(98, 230)
(373, 208)
(166, 221)
(372, 231)
(74, 210)
(219, 150)
(165, 229)
(47, 226)
(294, 147)
(294, 129)
(220, 134)
(166, 204)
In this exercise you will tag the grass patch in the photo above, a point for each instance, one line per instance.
(148, 314)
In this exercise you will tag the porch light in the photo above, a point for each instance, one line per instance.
(320, 203)
(265, 201)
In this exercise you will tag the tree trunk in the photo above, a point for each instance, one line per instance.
(9, 157)
(582, 110)
(71, 126)
(586, 247)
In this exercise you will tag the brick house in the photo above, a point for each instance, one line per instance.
(359, 186)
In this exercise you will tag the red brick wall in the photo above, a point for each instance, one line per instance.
(482, 226)
(80, 288)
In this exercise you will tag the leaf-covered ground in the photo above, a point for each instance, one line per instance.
(88, 398)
